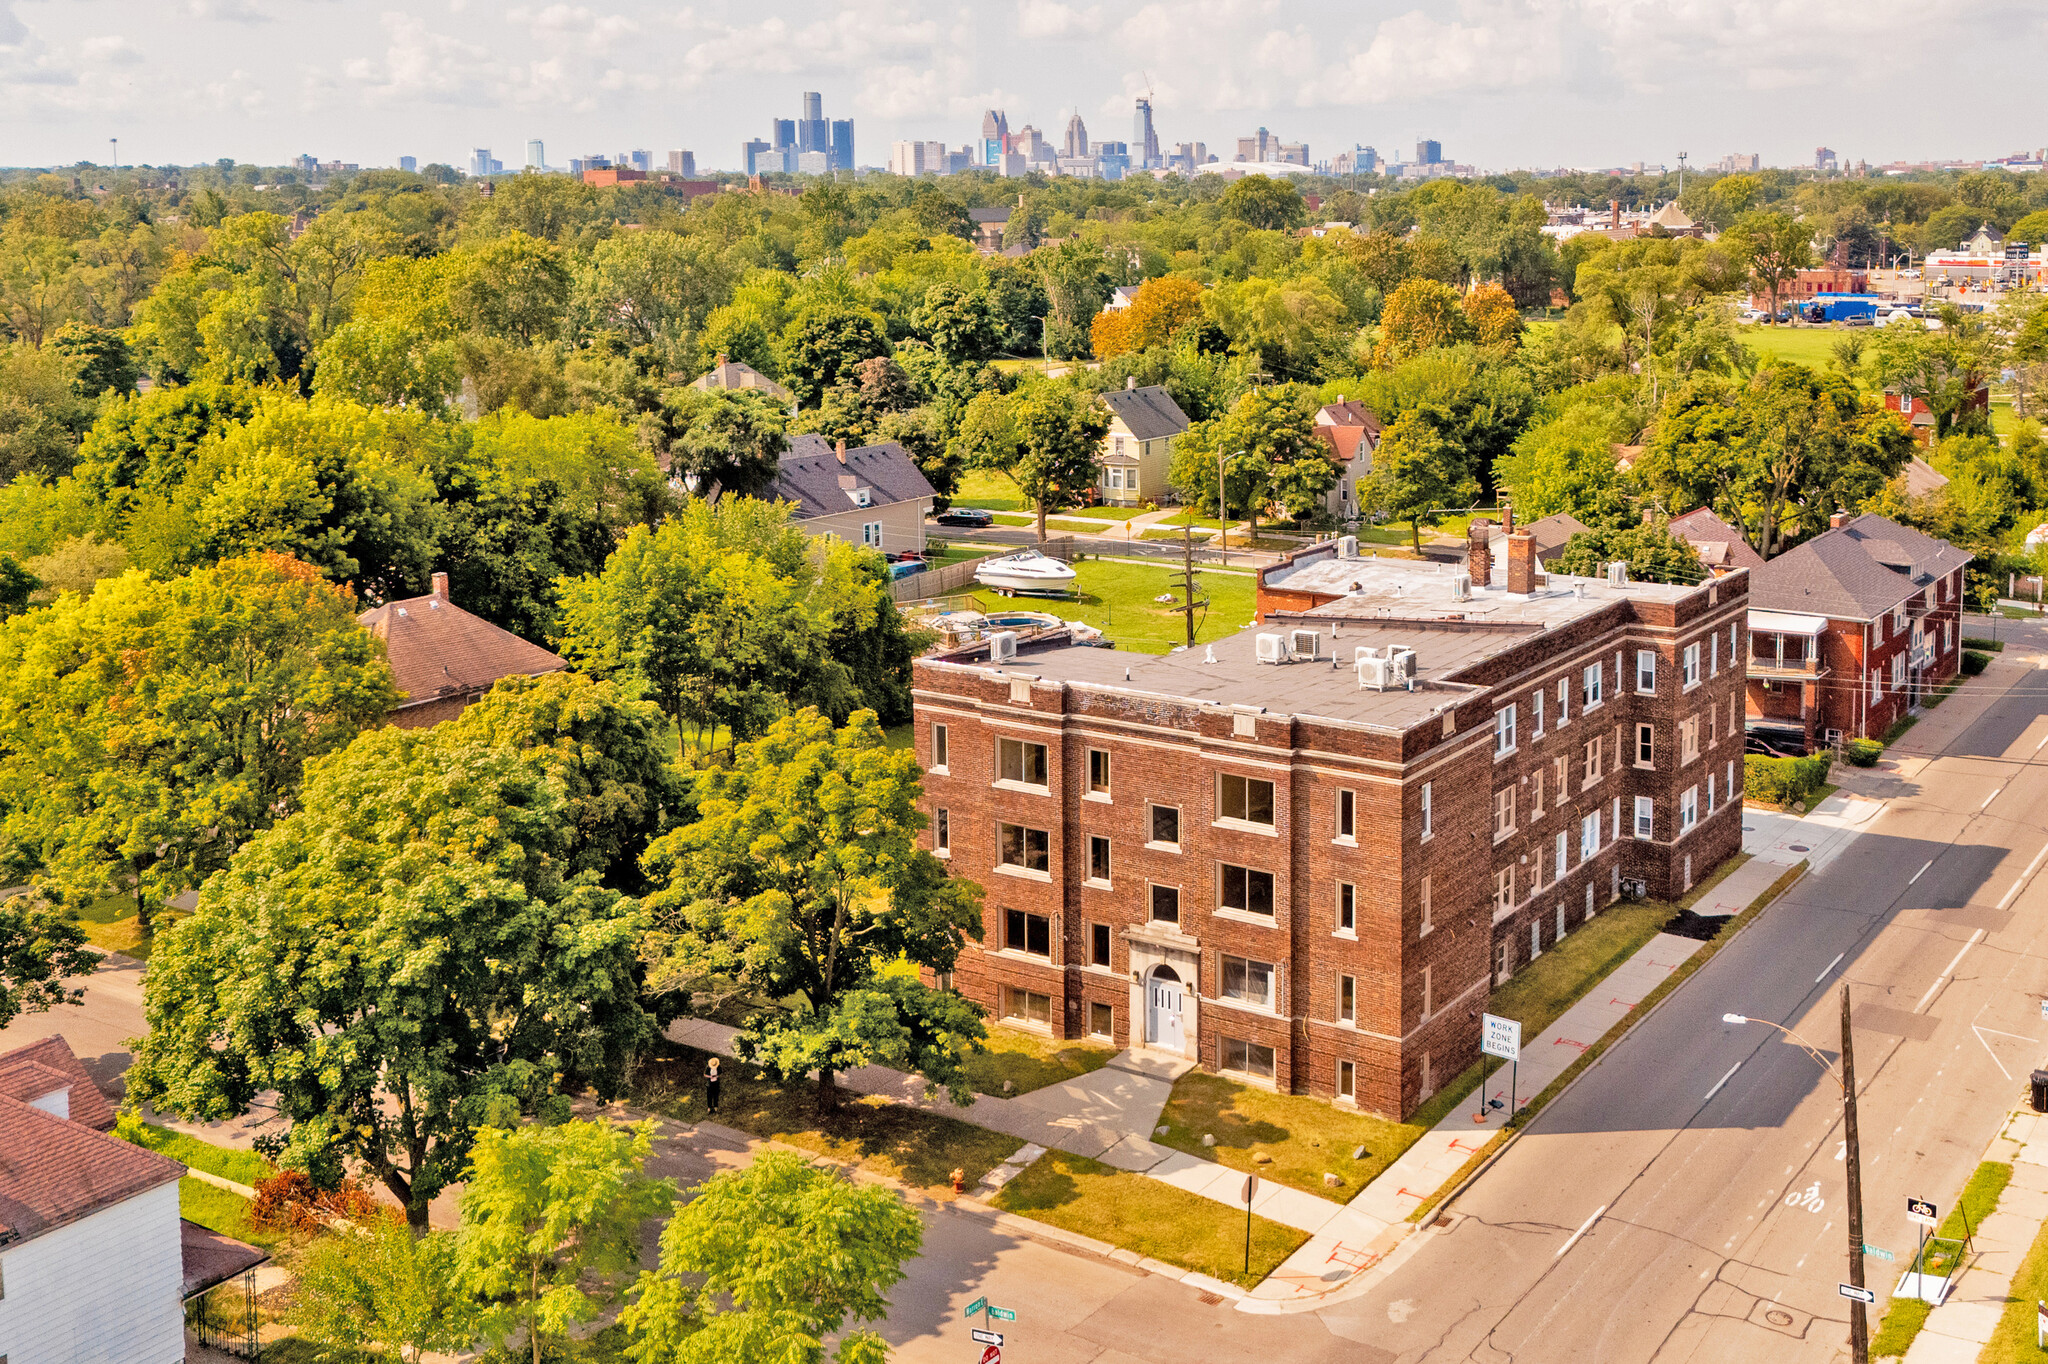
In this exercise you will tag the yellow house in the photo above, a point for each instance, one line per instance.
(1138, 451)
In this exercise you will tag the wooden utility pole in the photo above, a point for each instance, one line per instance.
(1859, 1325)
(1187, 581)
(1222, 517)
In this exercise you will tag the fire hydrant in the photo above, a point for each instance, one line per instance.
(959, 1181)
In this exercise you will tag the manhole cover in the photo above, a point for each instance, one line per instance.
(1778, 1316)
(1797, 847)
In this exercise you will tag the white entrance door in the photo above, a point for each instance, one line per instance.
(1164, 1025)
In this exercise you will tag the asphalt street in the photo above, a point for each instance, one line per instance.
(1685, 1201)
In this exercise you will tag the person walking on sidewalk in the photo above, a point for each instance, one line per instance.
(711, 1085)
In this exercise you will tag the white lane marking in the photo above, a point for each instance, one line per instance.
(1829, 967)
(2043, 744)
(1975, 938)
(1584, 1227)
(1722, 1081)
(1988, 799)
(1987, 1046)
(1923, 869)
(2032, 867)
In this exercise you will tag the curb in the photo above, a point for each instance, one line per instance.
(221, 1183)
(1088, 1245)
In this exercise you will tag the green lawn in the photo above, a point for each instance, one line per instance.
(1809, 346)
(1905, 1316)
(216, 1209)
(2013, 1341)
(1104, 513)
(1200, 537)
(984, 488)
(908, 1144)
(1306, 1138)
(110, 924)
(1029, 1061)
(244, 1167)
(1148, 1216)
(1117, 597)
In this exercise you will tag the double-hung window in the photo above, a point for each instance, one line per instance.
(1098, 858)
(1347, 999)
(1020, 761)
(1594, 765)
(1688, 809)
(942, 833)
(1589, 836)
(1564, 701)
(1646, 746)
(1503, 731)
(1426, 830)
(1027, 933)
(1166, 826)
(1689, 672)
(1536, 709)
(1248, 800)
(1098, 772)
(1503, 890)
(1347, 906)
(1563, 846)
(1688, 739)
(1589, 690)
(939, 749)
(1503, 813)
(1248, 981)
(1166, 904)
(1646, 671)
(1027, 849)
(1347, 814)
(1646, 818)
(1245, 889)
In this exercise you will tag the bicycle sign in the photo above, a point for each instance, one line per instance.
(1809, 1200)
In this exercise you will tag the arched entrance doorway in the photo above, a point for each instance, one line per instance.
(1163, 1001)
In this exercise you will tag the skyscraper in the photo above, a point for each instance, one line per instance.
(1428, 151)
(480, 161)
(842, 144)
(536, 155)
(813, 134)
(1144, 141)
(754, 154)
(641, 160)
(408, 163)
(1077, 137)
(995, 137)
(683, 163)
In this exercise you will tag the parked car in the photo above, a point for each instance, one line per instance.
(965, 516)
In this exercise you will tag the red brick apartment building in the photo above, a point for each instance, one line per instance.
(1306, 854)
(1850, 629)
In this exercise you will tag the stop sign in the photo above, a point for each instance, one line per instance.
(992, 1355)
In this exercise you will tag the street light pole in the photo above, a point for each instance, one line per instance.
(1859, 1324)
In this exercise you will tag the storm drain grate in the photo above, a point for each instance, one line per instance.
(1210, 1299)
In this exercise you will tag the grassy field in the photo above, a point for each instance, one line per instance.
(984, 488)
(1030, 1062)
(908, 1144)
(110, 924)
(244, 1167)
(1117, 597)
(1305, 1138)
(1148, 1216)
(217, 1209)
(1104, 513)
(1810, 346)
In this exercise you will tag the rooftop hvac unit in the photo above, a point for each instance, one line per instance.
(1617, 573)
(1461, 587)
(1002, 646)
(1271, 649)
(1347, 546)
(1372, 668)
(1303, 643)
(1400, 666)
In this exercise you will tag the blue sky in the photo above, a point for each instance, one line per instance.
(1501, 83)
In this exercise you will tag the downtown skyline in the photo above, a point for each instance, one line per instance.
(1519, 84)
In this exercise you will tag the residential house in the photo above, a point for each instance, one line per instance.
(874, 495)
(989, 225)
(1850, 630)
(1920, 417)
(1351, 430)
(738, 374)
(1921, 479)
(1552, 533)
(1722, 549)
(443, 658)
(1269, 856)
(91, 1261)
(1137, 453)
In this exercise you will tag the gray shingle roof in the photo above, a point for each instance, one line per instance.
(990, 215)
(1149, 412)
(1702, 529)
(809, 475)
(1857, 571)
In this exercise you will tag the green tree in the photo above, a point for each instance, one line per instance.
(148, 730)
(1421, 315)
(105, 364)
(40, 948)
(823, 345)
(725, 440)
(1943, 370)
(1259, 201)
(800, 883)
(377, 1290)
(550, 1216)
(1653, 554)
(402, 961)
(17, 585)
(765, 1263)
(1566, 464)
(1418, 474)
(1059, 432)
(1772, 247)
(956, 322)
(1271, 455)
(42, 413)
(515, 286)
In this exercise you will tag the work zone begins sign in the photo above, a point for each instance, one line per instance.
(1500, 1037)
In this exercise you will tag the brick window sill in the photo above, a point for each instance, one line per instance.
(1247, 1007)
(1162, 847)
(1023, 787)
(1023, 873)
(1015, 954)
(1245, 916)
(1098, 883)
(1245, 826)
(946, 853)
(1099, 797)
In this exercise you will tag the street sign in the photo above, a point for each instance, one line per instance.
(992, 1355)
(1849, 1290)
(982, 1337)
(1921, 1211)
(1251, 1186)
(1001, 1314)
(2044, 1008)
(974, 1308)
(1500, 1037)
(1879, 1252)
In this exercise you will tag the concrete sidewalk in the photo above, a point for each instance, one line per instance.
(1957, 1331)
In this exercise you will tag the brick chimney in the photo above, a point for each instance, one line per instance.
(841, 451)
(1479, 552)
(1838, 520)
(1507, 517)
(1614, 213)
(1521, 562)
(441, 586)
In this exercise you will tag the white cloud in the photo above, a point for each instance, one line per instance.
(577, 24)
(112, 50)
(228, 11)
(1050, 19)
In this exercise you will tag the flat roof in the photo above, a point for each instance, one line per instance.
(1389, 602)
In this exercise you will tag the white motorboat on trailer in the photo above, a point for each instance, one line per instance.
(1025, 571)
